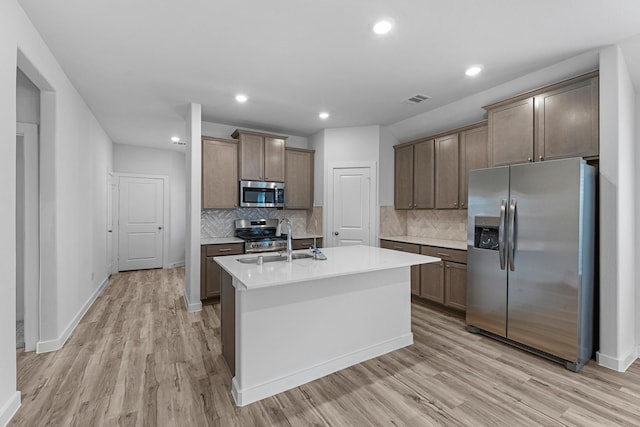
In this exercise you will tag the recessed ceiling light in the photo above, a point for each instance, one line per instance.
(175, 139)
(324, 115)
(474, 70)
(241, 98)
(383, 26)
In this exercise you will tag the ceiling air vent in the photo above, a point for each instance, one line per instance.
(417, 98)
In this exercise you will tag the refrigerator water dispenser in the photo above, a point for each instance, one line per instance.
(487, 229)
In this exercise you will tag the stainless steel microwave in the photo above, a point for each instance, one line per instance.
(261, 194)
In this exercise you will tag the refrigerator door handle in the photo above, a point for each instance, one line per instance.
(502, 227)
(511, 242)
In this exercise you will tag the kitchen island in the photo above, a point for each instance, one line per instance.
(285, 324)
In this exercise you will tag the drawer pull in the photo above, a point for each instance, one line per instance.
(224, 249)
(398, 248)
(443, 254)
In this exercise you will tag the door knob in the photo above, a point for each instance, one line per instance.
(336, 233)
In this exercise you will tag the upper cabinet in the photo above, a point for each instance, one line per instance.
(567, 121)
(511, 133)
(414, 175)
(446, 163)
(260, 156)
(298, 183)
(474, 154)
(219, 173)
(554, 122)
(433, 172)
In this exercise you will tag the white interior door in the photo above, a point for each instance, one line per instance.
(109, 223)
(141, 223)
(351, 216)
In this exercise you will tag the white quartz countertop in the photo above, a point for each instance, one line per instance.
(429, 241)
(219, 240)
(340, 261)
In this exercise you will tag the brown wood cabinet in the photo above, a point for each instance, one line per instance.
(219, 173)
(553, 122)
(298, 182)
(445, 282)
(447, 163)
(455, 282)
(210, 270)
(306, 243)
(474, 154)
(511, 133)
(567, 121)
(415, 269)
(414, 175)
(260, 156)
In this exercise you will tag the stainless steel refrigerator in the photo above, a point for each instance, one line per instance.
(531, 257)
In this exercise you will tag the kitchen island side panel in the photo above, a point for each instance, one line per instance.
(292, 334)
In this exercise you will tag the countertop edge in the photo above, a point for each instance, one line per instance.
(429, 241)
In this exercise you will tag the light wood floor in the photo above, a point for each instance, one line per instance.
(138, 358)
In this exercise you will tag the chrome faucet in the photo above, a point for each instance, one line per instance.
(279, 233)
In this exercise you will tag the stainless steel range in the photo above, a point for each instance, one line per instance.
(259, 235)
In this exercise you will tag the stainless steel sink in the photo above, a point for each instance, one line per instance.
(273, 258)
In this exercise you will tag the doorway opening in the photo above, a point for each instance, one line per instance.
(27, 211)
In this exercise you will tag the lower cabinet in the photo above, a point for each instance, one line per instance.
(415, 270)
(305, 243)
(210, 270)
(445, 282)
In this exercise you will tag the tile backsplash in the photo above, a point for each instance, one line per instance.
(439, 224)
(392, 222)
(219, 222)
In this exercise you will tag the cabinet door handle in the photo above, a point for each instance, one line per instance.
(443, 254)
(541, 158)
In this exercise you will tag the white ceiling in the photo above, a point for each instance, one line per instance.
(139, 63)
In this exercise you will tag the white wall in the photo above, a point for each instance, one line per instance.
(75, 159)
(149, 161)
(27, 100)
(224, 131)
(637, 237)
(316, 142)
(617, 212)
(387, 167)
(193, 207)
(9, 397)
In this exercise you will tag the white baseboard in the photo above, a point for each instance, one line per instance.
(9, 408)
(618, 364)
(56, 344)
(191, 307)
(175, 264)
(253, 394)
